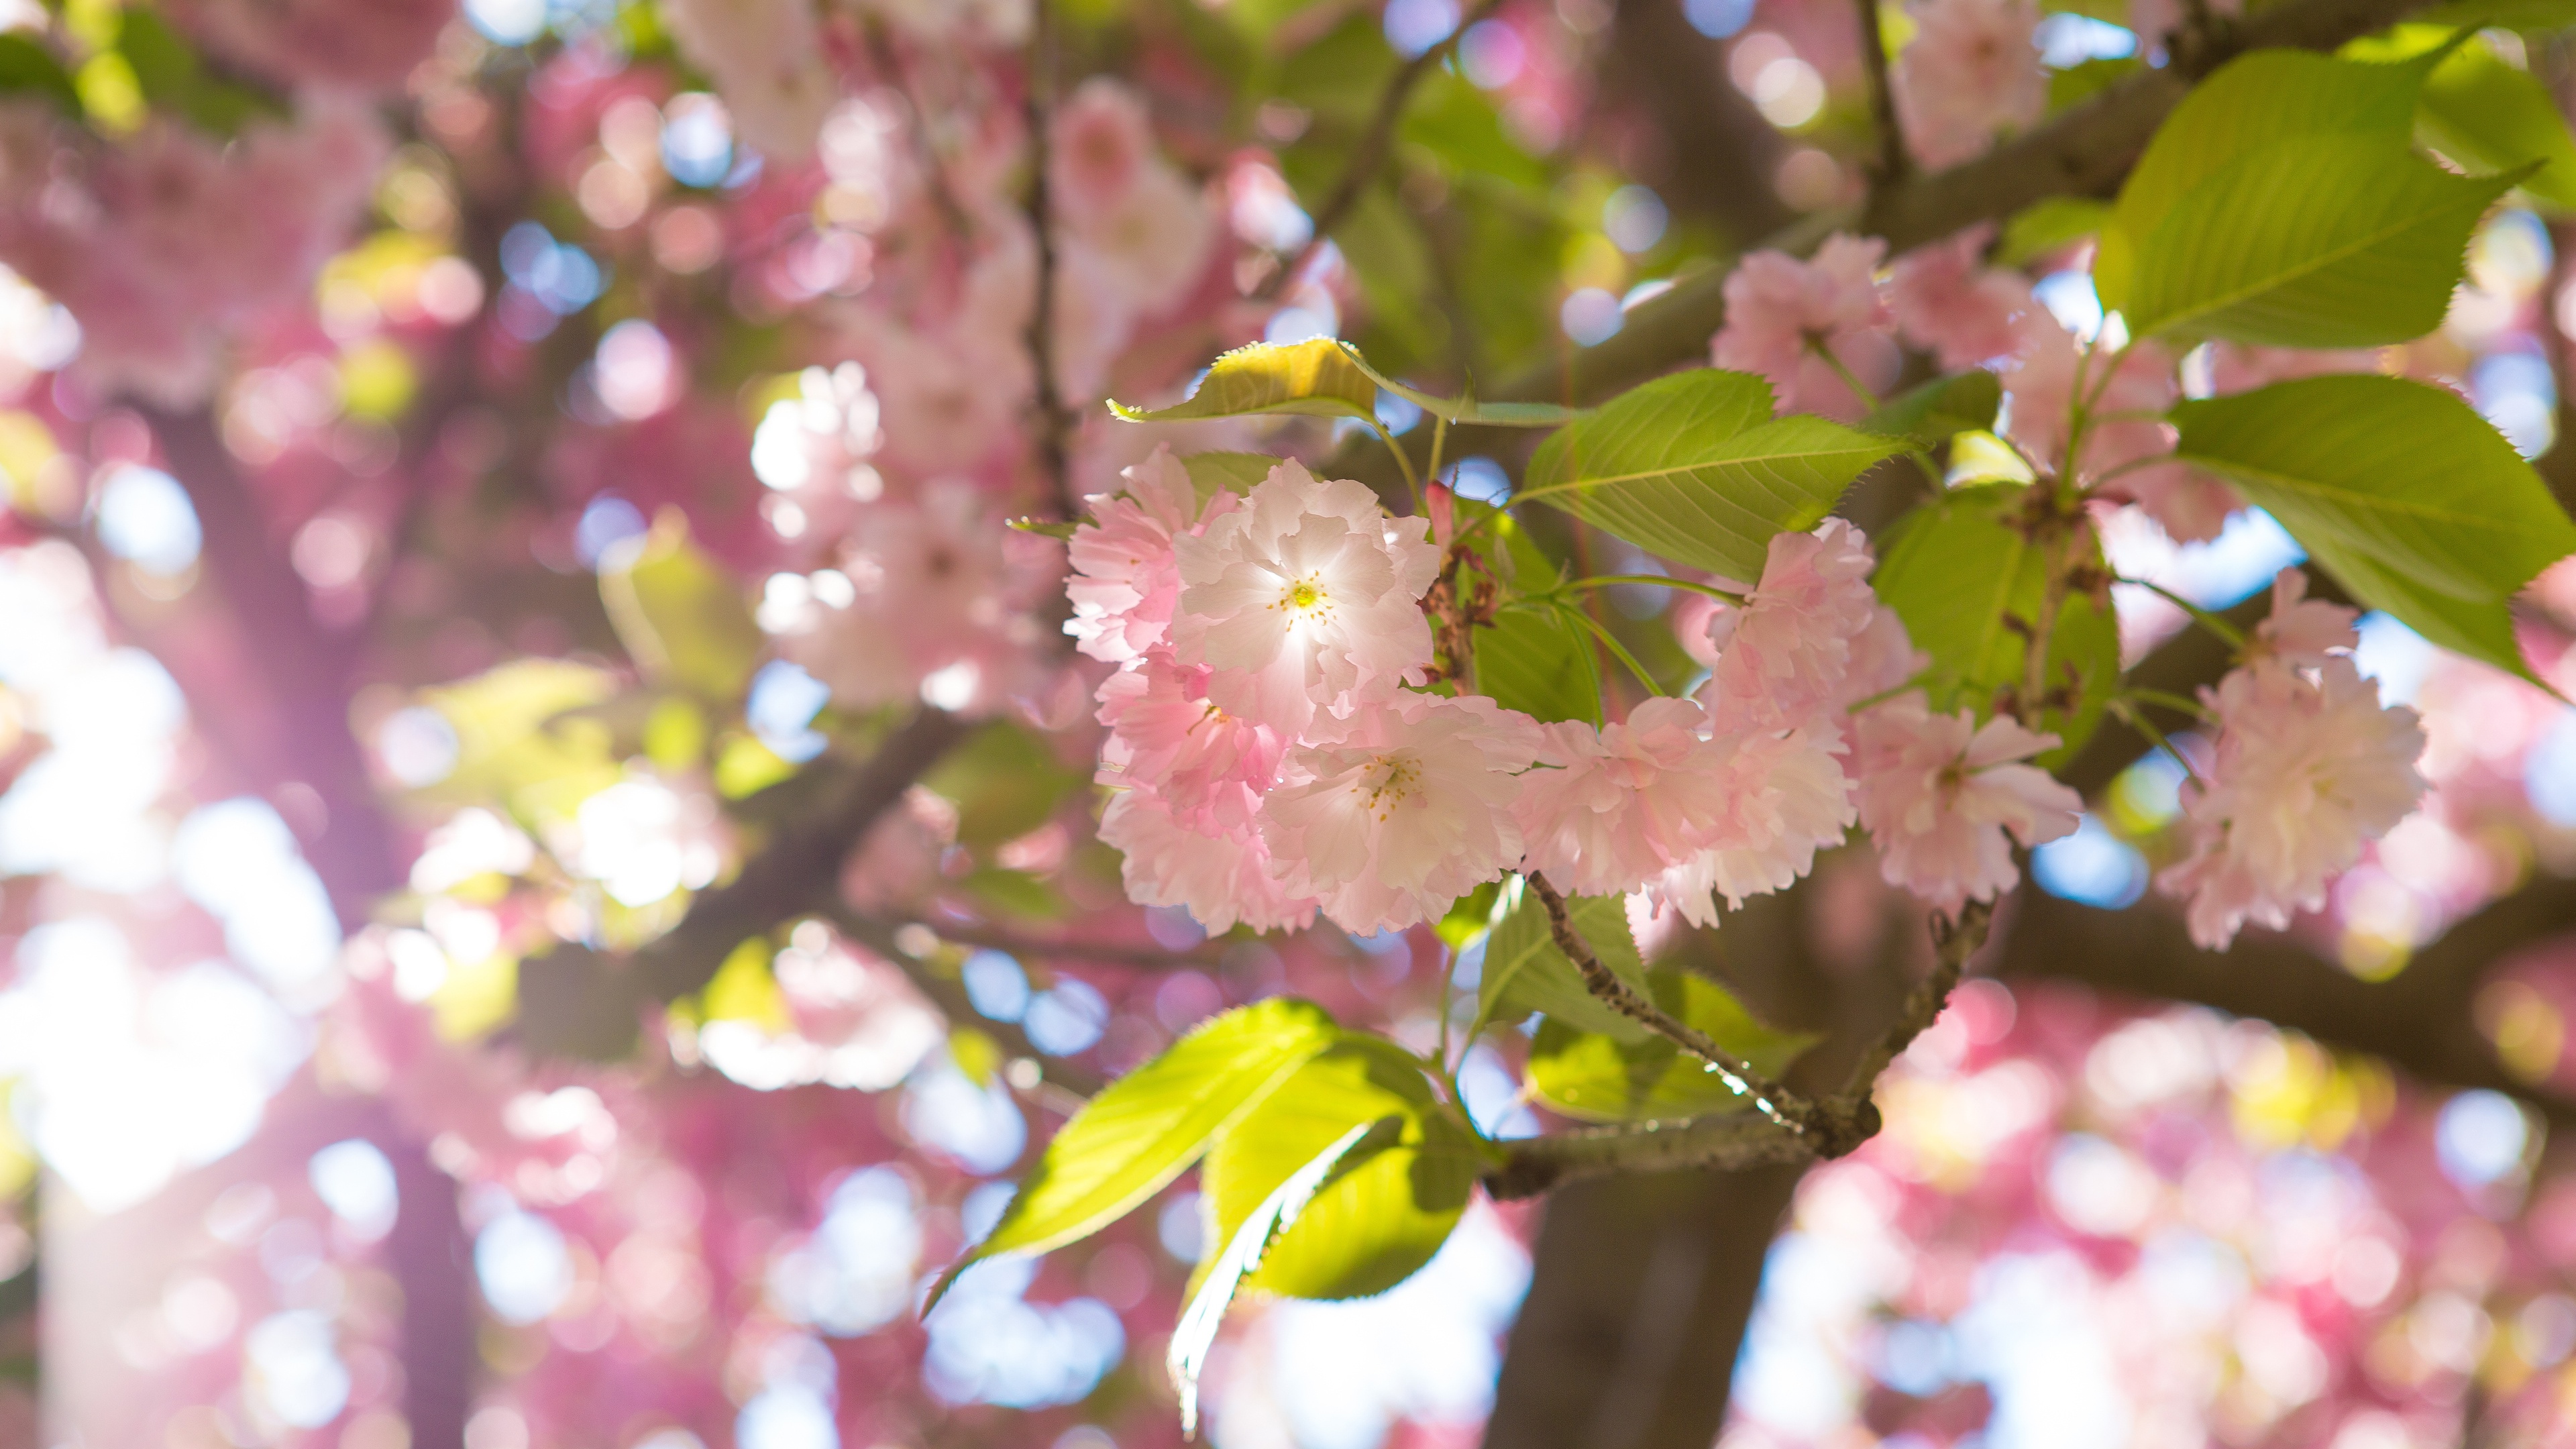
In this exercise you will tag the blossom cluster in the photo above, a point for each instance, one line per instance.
(2306, 767)
(1806, 324)
(1275, 757)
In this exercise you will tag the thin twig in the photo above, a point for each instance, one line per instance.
(1734, 1140)
(1783, 1107)
(1371, 151)
(1892, 162)
(1055, 420)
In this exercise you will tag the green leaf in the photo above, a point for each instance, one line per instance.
(2400, 490)
(519, 740)
(1525, 972)
(1388, 1206)
(2087, 79)
(1314, 378)
(1467, 409)
(1005, 782)
(680, 615)
(2046, 226)
(1531, 660)
(1196, 1332)
(27, 68)
(2503, 14)
(1962, 572)
(1940, 410)
(1016, 893)
(1469, 917)
(2317, 241)
(1215, 473)
(1607, 1079)
(2259, 98)
(1147, 1127)
(2483, 112)
(1694, 468)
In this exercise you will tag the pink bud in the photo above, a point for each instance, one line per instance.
(1441, 504)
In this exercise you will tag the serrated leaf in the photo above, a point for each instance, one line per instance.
(1525, 972)
(1315, 378)
(1607, 1079)
(27, 68)
(1147, 1127)
(1965, 576)
(1467, 409)
(1388, 1207)
(2483, 112)
(2318, 241)
(681, 616)
(1940, 410)
(1694, 468)
(2260, 98)
(2399, 490)
(1196, 1333)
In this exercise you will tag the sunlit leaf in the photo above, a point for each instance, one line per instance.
(2400, 490)
(1525, 972)
(1005, 782)
(1147, 1127)
(680, 614)
(1694, 468)
(1316, 378)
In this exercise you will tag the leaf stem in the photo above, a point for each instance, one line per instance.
(1412, 480)
(1597, 581)
(2205, 618)
(1611, 642)
(2137, 720)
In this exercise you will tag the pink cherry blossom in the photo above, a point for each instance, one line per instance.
(2304, 772)
(1788, 798)
(1223, 878)
(1304, 598)
(1207, 765)
(1101, 145)
(1778, 309)
(1402, 809)
(1784, 654)
(1947, 300)
(1938, 793)
(363, 44)
(1125, 579)
(1625, 801)
(1970, 72)
(2303, 632)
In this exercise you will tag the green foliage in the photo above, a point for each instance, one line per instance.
(2401, 491)
(1525, 972)
(1939, 410)
(2314, 241)
(2087, 79)
(2044, 226)
(1466, 409)
(1147, 1127)
(2484, 112)
(519, 741)
(1388, 1205)
(2503, 14)
(2261, 98)
(680, 614)
(27, 68)
(1215, 473)
(1005, 782)
(168, 71)
(1968, 575)
(1315, 378)
(1531, 660)
(1607, 1079)
(1694, 468)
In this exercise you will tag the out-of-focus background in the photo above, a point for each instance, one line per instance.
(498, 489)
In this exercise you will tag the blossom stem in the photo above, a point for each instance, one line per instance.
(1403, 463)
(1850, 379)
(1610, 642)
(1598, 581)
(1891, 161)
(2136, 719)
(2180, 704)
(2205, 618)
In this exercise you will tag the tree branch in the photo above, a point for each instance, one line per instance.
(1892, 162)
(1831, 1127)
(1371, 151)
(1055, 420)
